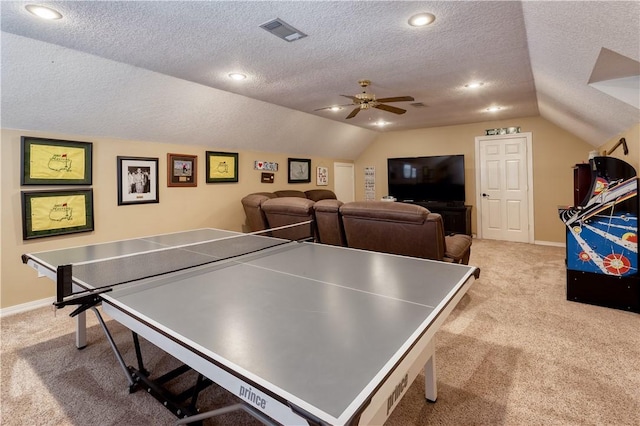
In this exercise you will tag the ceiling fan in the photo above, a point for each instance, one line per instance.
(366, 100)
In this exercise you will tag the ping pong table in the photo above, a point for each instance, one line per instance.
(301, 333)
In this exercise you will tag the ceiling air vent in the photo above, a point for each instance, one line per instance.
(418, 105)
(281, 29)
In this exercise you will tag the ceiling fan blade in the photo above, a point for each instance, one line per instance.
(332, 106)
(390, 109)
(397, 99)
(353, 113)
(353, 98)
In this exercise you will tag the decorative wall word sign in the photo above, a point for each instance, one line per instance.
(502, 131)
(265, 165)
(322, 176)
(267, 178)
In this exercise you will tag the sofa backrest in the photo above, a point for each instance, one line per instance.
(283, 211)
(320, 194)
(329, 222)
(397, 228)
(290, 193)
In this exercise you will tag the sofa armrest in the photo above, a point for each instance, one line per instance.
(458, 248)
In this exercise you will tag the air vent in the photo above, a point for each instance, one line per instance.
(418, 105)
(281, 29)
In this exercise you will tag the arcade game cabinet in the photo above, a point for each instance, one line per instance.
(602, 238)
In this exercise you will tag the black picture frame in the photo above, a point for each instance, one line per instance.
(55, 162)
(138, 181)
(299, 170)
(221, 166)
(56, 212)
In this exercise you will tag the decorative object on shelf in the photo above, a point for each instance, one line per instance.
(299, 170)
(55, 162)
(502, 131)
(222, 167)
(137, 180)
(182, 170)
(49, 213)
(322, 176)
(265, 165)
(267, 178)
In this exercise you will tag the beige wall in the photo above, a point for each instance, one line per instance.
(632, 136)
(207, 205)
(554, 154)
(218, 205)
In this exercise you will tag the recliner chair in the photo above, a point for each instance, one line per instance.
(404, 229)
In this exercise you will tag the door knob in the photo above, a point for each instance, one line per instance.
(485, 195)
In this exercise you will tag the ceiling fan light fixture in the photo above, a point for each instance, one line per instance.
(494, 109)
(237, 76)
(422, 19)
(43, 12)
(474, 85)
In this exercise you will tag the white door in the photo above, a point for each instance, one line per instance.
(343, 182)
(504, 189)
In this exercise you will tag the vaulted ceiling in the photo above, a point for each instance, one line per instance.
(156, 70)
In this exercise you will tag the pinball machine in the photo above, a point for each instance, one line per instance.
(602, 236)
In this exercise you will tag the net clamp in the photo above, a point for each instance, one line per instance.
(85, 302)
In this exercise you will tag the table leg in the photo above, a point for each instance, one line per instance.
(430, 386)
(81, 330)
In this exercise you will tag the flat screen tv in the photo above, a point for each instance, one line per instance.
(437, 179)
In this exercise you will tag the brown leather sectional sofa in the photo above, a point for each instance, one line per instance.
(389, 227)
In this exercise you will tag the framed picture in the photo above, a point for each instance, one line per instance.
(55, 162)
(182, 170)
(49, 213)
(137, 180)
(322, 176)
(299, 170)
(222, 167)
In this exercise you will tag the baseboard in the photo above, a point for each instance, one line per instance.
(549, 243)
(12, 310)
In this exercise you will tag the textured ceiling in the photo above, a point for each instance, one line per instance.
(533, 57)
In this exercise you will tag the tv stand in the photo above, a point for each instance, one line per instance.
(455, 216)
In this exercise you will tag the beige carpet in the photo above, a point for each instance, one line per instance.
(514, 352)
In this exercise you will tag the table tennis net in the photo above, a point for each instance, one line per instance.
(110, 272)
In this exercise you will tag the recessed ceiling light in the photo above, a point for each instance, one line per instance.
(494, 109)
(237, 76)
(43, 12)
(421, 19)
(380, 123)
(335, 108)
(474, 85)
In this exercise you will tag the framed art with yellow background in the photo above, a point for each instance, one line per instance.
(222, 167)
(55, 162)
(49, 213)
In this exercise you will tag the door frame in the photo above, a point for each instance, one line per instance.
(528, 137)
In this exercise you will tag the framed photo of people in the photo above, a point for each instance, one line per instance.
(137, 180)
(182, 170)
